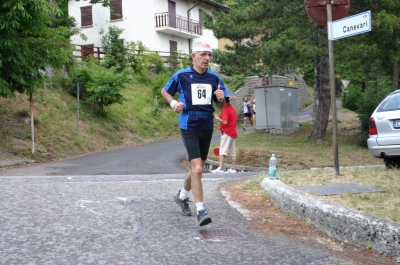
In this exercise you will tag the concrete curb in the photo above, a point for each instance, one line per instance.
(211, 164)
(339, 222)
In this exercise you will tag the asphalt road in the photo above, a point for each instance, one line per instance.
(157, 158)
(132, 219)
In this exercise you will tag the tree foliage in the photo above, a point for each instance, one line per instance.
(100, 85)
(374, 54)
(281, 36)
(370, 60)
(142, 61)
(102, 82)
(135, 55)
(31, 39)
(114, 48)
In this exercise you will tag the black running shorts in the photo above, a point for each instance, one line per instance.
(197, 143)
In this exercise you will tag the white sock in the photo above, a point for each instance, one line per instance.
(199, 206)
(183, 194)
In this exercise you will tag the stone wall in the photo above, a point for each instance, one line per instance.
(342, 223)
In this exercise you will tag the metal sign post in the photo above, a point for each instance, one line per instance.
(78, 88)
(322, 13)
(345, 84)
(341, 28)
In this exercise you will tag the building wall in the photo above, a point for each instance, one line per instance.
(223, 42)
(139, 24)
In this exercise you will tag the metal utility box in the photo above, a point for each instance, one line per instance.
(277, 109)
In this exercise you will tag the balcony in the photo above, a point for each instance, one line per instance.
(179, 26)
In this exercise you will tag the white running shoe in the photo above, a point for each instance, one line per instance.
(231, 170)
(218, 170)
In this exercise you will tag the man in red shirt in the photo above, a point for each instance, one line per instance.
(227, 125)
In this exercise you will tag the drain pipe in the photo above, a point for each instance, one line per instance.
(188, 16)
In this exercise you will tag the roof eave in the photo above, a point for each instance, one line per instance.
(218, 6)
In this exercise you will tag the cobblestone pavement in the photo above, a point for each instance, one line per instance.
(132, 219)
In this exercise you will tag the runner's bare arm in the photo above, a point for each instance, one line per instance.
(177, 106)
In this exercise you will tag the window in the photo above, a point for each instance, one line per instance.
(115, 9)
(199, 29)
(201, 16)
(173, 46)
(87, 50)
(172, 13)
(86, 16)
(391, 103)
(173, 49)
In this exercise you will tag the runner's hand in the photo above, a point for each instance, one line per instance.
(219, 94)
(178, 107)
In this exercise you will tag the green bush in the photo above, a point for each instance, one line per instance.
(158, 84)
(99, 85)
(235, 82)
(114, 48)
(186, 61)
(225, 60)
(353, 98)
(79, 72)
(105, 86)
(58, 79)
(142, 62)
(374, 94)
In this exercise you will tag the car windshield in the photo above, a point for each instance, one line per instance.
(391, 103)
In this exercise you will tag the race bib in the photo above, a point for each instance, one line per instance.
(201, 94)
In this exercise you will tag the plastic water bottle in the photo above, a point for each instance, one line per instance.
(272, 167)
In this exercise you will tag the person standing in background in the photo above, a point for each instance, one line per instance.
(246, 112)
(254, 111)
(227, 126)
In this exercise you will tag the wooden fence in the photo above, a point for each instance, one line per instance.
(84, 51)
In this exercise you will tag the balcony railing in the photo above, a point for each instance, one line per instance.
(168, 20)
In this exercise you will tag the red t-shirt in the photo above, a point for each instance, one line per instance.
(229, 114)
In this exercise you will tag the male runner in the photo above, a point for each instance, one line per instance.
(197, 86)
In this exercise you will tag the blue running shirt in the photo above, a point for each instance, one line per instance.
(196, 92)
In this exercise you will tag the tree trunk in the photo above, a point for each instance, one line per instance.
(101, 106)
(322, 94)
(32, 122)
(316, 77)
(366, 80)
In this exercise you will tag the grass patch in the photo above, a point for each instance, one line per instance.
(59, 135)
(384, 204)
(297, 153)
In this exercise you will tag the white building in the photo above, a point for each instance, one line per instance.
(164, 26)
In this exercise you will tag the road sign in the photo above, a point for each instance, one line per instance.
(350, 26)
(345, 83)
(316, 10)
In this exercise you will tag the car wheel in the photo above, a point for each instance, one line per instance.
(392, 162)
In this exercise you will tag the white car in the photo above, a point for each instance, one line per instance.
(384, 131)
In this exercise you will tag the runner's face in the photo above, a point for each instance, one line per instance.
(201, 61)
